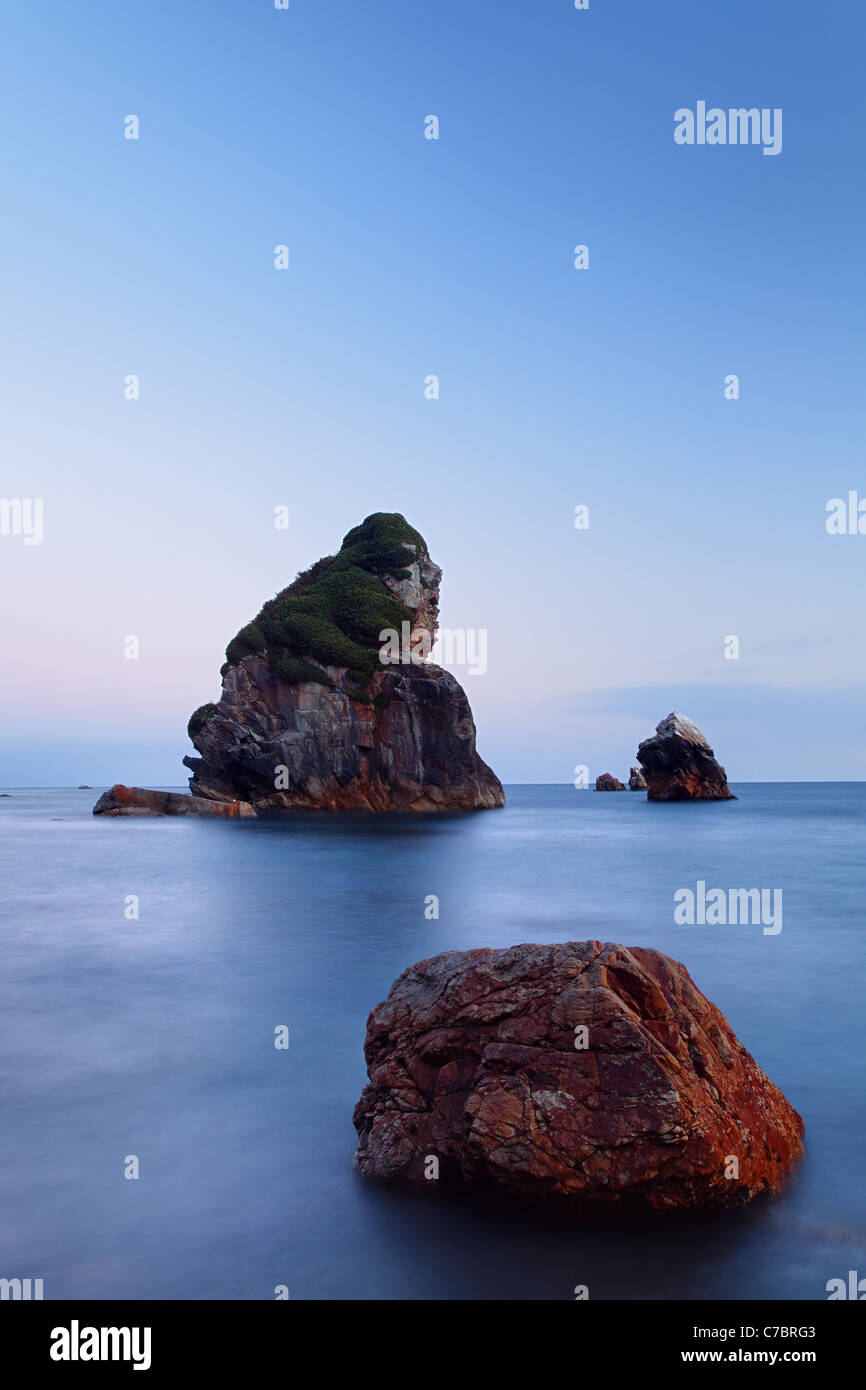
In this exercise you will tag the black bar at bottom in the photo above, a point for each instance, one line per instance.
(219, 1338)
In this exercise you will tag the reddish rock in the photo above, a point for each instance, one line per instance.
(476, 1058)
(140, 801)
(636, 780)
(413, 752)
(679, 765)
(608, 783)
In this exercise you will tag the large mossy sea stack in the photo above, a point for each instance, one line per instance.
(311, 718)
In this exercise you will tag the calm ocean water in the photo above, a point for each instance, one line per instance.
(154, 1037)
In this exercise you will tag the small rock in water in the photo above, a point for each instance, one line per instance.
(141, 801)
(608, 783)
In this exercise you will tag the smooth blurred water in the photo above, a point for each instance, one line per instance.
(155, 1037)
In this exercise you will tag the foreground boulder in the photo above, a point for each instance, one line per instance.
(319, 712)
(139, 801)
(592, 1075)
(679, 765)
(608, 783)
(636, 780)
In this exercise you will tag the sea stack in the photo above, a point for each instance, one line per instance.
(608, 783)
(679, 765)
(589, 1075)
(636, 780)
(312, 718)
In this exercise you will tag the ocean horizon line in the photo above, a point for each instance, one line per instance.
(740, 782)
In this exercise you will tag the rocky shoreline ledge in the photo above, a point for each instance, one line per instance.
(140, 801)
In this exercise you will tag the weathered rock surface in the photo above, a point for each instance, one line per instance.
(608, 783)
(679, 765)
(476, 1058)
(636, 780)
(390, 737)
(139, 801)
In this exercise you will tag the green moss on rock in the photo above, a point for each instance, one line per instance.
(379, 543)
(294, 669)
(249, 640)
(199, 718)
(332, 613)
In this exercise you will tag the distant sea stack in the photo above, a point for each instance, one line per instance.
(636, 780)
(679, 765)
(608, 783)
(595, 1077)
(311, 719)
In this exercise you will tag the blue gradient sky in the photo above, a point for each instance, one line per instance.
(454, 257)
